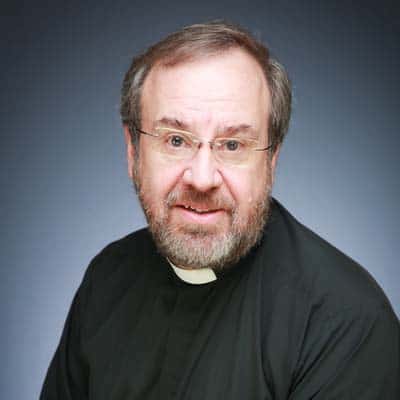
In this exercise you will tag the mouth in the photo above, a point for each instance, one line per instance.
(198, 210)
(199, 214)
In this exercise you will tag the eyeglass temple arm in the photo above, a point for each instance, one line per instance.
(143, 132)
(265, 148)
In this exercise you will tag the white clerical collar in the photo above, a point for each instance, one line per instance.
(194, 276)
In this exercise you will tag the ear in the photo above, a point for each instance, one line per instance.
(274, 162)
(130, 151)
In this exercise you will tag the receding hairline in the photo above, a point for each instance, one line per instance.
(161, 66)
(197, 40)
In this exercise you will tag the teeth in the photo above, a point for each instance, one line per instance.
(195, 210)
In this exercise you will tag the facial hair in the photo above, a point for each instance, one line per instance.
(195, 246)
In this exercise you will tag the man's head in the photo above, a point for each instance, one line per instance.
(206, 198)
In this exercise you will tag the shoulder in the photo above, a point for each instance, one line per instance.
(135, 242)
(123, 256)
(337, 324)
(123, 270)
(121, 265)
(318, 270)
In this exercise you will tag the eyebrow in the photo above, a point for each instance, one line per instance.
(173, 123)
(230, 130)
(234, 130)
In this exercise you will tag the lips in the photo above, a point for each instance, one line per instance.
(199, 210)
(199, 214)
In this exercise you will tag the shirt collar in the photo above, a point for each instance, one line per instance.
(194, 276)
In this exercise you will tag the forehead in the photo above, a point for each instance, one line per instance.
(226, 89)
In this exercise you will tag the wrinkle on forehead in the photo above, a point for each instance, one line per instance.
(229, 89)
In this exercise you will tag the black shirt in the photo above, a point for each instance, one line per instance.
(295, 319)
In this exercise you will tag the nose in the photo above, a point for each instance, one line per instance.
(202, 172)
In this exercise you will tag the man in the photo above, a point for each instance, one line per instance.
(225, 295)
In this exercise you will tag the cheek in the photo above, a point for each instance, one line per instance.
(248, 186)
(157, 179)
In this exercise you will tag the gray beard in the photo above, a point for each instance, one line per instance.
(195, 247)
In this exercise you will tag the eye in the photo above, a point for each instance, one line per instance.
(176, 140)
(231, 145)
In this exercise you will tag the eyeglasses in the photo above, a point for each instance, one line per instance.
(180, 145)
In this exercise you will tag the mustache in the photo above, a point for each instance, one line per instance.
(192, 197)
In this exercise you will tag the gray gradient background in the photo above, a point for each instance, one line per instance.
(64, 188)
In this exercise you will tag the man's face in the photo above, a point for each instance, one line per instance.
(203, 212)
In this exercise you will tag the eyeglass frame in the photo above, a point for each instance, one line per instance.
(195, 139)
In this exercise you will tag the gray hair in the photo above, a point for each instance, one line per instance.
(201, 40)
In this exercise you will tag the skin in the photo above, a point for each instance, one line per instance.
(203, 200)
